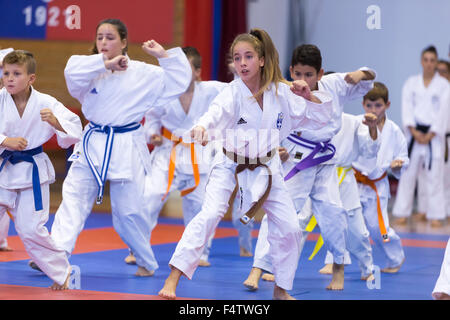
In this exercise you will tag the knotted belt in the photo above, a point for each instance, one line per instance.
(310, 161)
(423, 129)
(110, 131)
(250, 164)
(371, 183)
(177, 141)
(14, 157)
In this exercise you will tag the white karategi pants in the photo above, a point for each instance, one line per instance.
(127, 205)
(393, 249)
(434, 188)
(155, 188)
(4, 228)
(284, 234)
(30, 226)
(443, 282)
(321, 184)
(244, 230)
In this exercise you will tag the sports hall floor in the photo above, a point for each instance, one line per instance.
(100, 254)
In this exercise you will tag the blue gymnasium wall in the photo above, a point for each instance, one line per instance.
(339, 29)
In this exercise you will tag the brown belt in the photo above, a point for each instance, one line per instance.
(251, 164)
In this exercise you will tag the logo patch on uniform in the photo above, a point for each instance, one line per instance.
(94, 91)
(74, 156)
(298, 155)
(241, 121)
(279, 120)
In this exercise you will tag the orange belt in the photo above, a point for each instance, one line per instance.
(176, 141)
(371, 183)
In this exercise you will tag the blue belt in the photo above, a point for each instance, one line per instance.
(14, 157)
(100, 177)
(310, 161)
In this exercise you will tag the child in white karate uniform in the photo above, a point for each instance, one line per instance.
(28, 120)
(373, 183)
(425, 104)
(316, 177)
(115, 93)
(171, 159)
(254, 112)
(5, 219)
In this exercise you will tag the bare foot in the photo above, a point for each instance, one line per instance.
(337, 282)
(436, 224)
(401, 221)
(441, 296)
(170, 285)
(253, 278)
(327, 269)
(203, 263)
(268, 277)
(420, 216)
(6, 249)
(393, 269)
(57, 287)
(370, 277)
(245, 253)
(281, 294)
(143, 272)
(130, 259)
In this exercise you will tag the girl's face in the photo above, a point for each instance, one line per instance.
(108, 41)
(247, 62)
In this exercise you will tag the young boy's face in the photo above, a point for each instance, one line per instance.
(16, 78)
(377, 107)
(306, 73)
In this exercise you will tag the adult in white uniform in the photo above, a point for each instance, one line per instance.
(253, 113)
(425, 104)
(28, 120)
(115, 93)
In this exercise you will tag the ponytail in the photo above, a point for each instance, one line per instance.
(264, 47)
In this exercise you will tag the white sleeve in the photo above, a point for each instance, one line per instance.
(439, 124)
(70, 122)
(2, 138)
(310, 115)
(152, 124)
(347, 91)
(222, 112)
(407, 107)
(80, 71)
(401, 153)
(366, 145)
(177, 75)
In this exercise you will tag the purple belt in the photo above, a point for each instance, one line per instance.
(310, 161)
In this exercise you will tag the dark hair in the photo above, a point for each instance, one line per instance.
(447, 63)
(264, 47)
(193, 53)
(307, 54)
(121, 30)
(21, 57)
(431, 49)
(379, 90)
